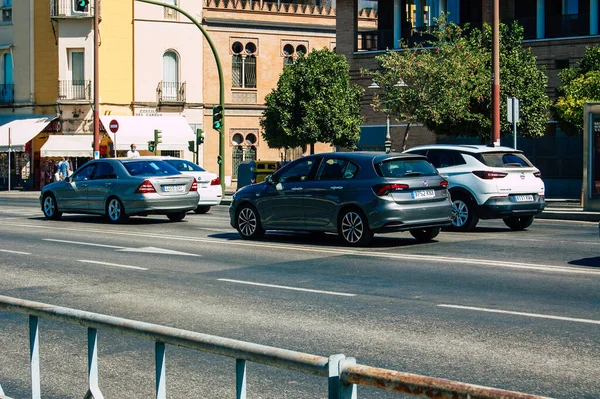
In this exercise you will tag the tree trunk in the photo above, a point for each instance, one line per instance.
(405, 136)
(312, 148)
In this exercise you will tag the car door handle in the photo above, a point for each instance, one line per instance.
(336, 187)
(84, 185)
(297, 189)
(108, 184)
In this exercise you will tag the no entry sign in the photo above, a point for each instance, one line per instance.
(113, 126)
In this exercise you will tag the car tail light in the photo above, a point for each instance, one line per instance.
(444, 183)
(194, 186)
(385, 189)
(489, 175)
(145, 188)
(216, 182)
(538, 174)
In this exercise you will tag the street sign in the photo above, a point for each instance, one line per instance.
(113, 126)
(513, 109)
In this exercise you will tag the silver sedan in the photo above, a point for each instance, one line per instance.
(121, 187)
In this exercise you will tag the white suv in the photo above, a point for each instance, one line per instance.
(488, 183)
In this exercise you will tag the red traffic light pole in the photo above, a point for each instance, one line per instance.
(221, 83)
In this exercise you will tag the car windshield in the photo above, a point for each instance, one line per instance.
(184, 166)
(505, 160)
(150, 168)
(405, 168)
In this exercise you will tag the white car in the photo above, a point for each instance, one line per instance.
(209, 184)
(488, 183)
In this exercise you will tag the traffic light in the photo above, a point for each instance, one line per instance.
(157, 137)
(219, 160)
(191, 146)
(81, 5)
(199, 136)
(217, 117)
(151, 146)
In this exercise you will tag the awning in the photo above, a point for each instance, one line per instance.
(72, 145)
(22, 130)
(139, 130)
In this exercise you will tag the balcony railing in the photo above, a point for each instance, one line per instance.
(68, 9)
(74, 90)
(170, 92)
(7, 93)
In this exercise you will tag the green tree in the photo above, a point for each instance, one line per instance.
(314, 102)
(449, 82)
(580, 84)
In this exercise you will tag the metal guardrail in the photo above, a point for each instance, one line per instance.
(75, 90)
(343, 373)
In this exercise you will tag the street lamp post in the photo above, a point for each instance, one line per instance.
(388, 138)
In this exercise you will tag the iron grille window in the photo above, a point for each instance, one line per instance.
(243, 71)
(6, 10)
(171, 153)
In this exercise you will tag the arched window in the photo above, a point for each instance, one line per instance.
(243, 65)
(170, 81)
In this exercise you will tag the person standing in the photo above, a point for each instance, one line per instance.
(63, 168)
(133, 152)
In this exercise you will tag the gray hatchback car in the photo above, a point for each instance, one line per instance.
(354, 194)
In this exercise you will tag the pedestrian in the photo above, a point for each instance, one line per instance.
(133, 152)
(63, 169)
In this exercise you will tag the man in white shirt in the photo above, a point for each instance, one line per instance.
(133, 153)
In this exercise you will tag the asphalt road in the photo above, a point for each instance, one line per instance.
(512, 310)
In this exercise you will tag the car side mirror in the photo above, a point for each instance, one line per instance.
(68, 179)
(270, 179)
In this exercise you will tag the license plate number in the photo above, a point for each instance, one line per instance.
(523, 198)
(423, 194)
(177, 188)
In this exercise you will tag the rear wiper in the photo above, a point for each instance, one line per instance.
(413, 174)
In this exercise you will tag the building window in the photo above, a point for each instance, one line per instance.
(7, 86)
(169, 13)
(293, 50)
(570, 7)
(170, 81)
(243, 64)
(171, 153)
(6, 10)
(77, 71)
(561, 63)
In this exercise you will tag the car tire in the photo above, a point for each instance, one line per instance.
(115, 211)
(425, 235)
(176, 216)
(201, 209)
(354, 229)
(50, 207)
(518, 223)
(464, 217)
(248, 222)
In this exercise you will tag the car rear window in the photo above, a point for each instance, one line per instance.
(150, 168)
(505, 160)
(405, 168)
(184, 166)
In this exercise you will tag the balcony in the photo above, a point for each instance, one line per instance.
(67, 9)
(170, 93)
(7, 93)
(75, 90)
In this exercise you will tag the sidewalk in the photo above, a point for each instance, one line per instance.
(562, 209)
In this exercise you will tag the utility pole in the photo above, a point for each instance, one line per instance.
(96, 79)
(496, 74)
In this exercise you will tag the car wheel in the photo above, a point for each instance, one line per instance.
(176, 216)
(464, 217)
(201, 209)
(50, 207)
(424, 235)
(518, 223)
(115, 211)
(248, 222)
(354, 229)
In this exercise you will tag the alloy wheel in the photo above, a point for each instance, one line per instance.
(49, 206)
(460, 213)
(352, 227)
(247, 222)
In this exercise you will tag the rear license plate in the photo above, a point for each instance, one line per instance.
(417, 194)
(523, 198)
(174, 188)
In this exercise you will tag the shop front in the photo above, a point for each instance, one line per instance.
(76, 148)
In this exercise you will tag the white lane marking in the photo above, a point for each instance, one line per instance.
(15, 252)
(82, 243)
(153, 250)
(286, 287)
(111, 264)
(334, 251)
(536, 315)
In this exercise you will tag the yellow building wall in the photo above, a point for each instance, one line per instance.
(45, 58)
(116, 57)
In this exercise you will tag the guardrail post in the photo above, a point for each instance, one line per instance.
(93, 387)
(333, 382)
(347, 391)
(34, 357)
(161, 371)
(240, 378)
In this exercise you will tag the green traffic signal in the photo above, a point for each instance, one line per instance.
(191, 146)
(199, 136)
(219, 160)
(81, 5)
(217, 117)
(151, 146)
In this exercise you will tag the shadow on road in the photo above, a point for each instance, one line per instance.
(95, 219)
(590, 262)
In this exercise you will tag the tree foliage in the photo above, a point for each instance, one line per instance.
(580, 84)
(449, 82)
(314, 102)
